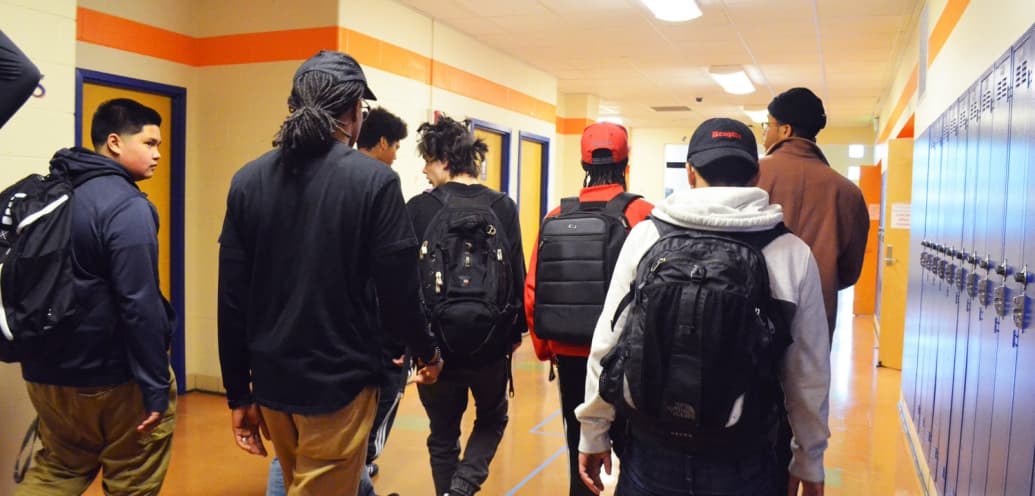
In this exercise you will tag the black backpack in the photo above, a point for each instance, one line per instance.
(577, 253)
(695, 368)
(37, 283)
(466, 278)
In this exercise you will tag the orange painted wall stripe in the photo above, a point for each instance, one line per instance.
(272, 46)
(951, 15)
(296, 44)
(903, 100)
(574, 125)
(123, 34)
(947, 22)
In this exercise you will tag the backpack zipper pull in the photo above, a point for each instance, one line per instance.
(423, 249)
(499, 254)
(657, 263)
(438, 282)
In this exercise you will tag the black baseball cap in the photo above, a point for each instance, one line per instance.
(341, 66)
(722, 139)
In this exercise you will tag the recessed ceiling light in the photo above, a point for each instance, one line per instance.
(674, 10)
(732, 79)
(856, 151)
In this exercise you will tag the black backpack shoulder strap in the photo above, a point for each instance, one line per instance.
(619, 204)
(666, 227)
(569, 204)
(439, 195)
(761, 239)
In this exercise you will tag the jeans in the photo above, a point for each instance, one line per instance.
(653, 471)
(445, 402)
(275, 481)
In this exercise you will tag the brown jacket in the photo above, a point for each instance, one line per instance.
(823, 208)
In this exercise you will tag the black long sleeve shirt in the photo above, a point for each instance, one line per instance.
(316, 267)
(18, 78)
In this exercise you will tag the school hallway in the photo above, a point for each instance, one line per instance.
(868, 453)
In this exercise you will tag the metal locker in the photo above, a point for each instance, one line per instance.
(974, 224)
(964, 207)
(1002, 406)
(945, 334)
(1022, 156)
(919, 245)
(932, 297)
(995, 121)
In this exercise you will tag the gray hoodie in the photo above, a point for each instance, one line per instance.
(794, 280)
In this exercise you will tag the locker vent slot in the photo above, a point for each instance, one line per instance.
(1022, 74)
(986, 100)
(1002, 86)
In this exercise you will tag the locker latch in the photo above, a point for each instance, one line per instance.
(983, 291)
(961, 275)
(972, 284)
(1000, 300)
(950, 273)
(1020, 311)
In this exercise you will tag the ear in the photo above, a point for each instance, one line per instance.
(691, 175)
(114, 144)
(383, 143)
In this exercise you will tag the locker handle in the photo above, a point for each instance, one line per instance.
(1023, 276)
(1002, 269)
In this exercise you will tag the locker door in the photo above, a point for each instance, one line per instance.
(928, 344)
(995, 118)
(1022, 156)
(1002, 400)
(974, 224)
(963, 205)
(918, 246)
(945, 364)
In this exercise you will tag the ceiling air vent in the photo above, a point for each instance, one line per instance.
(672, 108)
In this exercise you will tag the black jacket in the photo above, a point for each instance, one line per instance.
(316, 268)
(128, 325)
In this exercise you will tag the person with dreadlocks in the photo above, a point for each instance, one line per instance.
(453, 158)
(315, 236)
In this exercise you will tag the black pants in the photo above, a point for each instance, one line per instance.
(387, 404)
(783, 455)
(445, 402)
(571, 377)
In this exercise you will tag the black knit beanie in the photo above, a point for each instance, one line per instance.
(799, 107)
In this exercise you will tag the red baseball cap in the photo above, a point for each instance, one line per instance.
(605, 136)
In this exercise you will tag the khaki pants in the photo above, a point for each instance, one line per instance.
(323, 454)
(90, 430)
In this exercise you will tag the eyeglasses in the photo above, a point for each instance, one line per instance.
(766, 126)
(366, 109)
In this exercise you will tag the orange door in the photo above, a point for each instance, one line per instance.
(159, 187)
(866, 286)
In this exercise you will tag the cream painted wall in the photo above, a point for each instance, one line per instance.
(388, 21)
(903, 70)
(986, 30)
(27, 141)
(180, 16)
(222, 17)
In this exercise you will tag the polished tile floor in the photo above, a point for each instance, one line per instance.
(868, 454)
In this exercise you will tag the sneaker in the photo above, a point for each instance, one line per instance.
(372, 469)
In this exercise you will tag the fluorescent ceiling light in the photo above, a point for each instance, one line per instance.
(732, 79)
(756, 115)
(856, 151)
(674, 10)
(614, 119)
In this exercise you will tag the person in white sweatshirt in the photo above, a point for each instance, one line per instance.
(722, 167)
